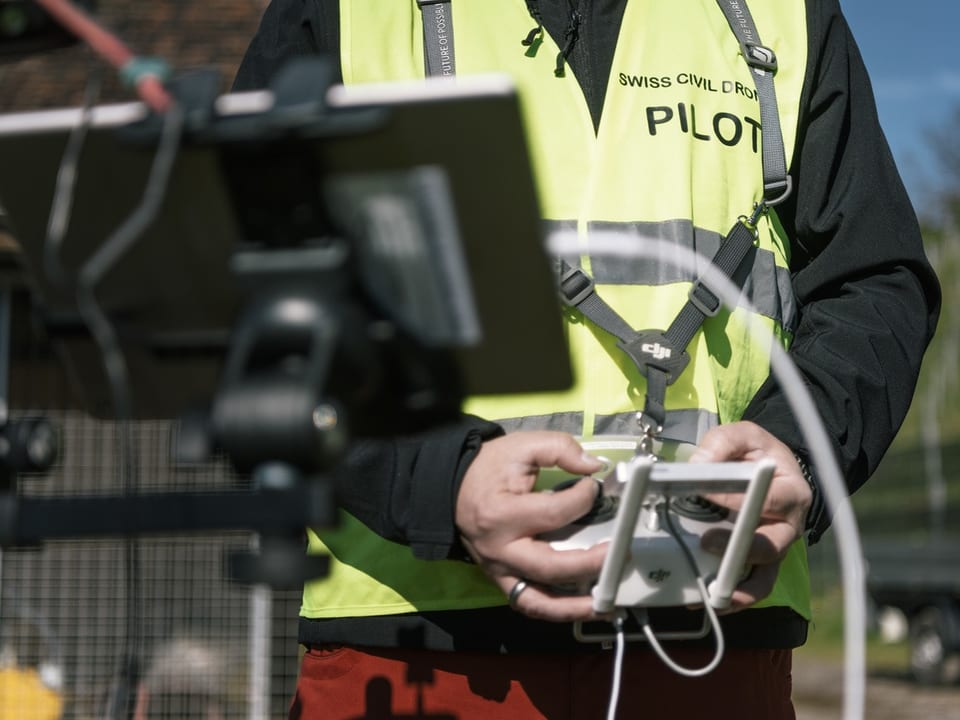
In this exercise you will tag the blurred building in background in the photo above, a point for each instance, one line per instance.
(88, 625)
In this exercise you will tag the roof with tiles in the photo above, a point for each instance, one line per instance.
(186, 34)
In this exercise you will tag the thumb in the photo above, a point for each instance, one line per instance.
(733, 441)
(548, 449)
(575, 459)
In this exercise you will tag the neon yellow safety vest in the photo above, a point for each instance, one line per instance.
(676, 156)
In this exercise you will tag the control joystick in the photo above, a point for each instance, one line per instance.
(697, 507)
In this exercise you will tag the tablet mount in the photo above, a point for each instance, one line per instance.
(311, 363)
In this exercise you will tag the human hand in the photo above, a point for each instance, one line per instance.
(500, 516)
(784, 511)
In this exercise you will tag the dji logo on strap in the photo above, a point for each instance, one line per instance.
(656, 350)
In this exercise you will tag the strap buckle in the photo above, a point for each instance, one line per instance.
(777, 191)
(774, 193)
(704, 299)
(649, 429)
(760, 57)
(575, 286)
(759, 210)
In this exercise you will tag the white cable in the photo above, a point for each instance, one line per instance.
(667, 521)
(670, 662)
(658, 648)
(617, 666)
(801, 403)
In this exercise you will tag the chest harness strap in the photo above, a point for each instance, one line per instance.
(661, 355)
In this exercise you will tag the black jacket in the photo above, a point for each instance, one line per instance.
(868, 298)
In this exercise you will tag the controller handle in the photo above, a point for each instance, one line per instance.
(735, 555)
(633, 476)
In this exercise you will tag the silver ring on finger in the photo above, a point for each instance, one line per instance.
(515, 592)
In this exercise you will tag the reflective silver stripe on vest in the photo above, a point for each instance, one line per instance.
(571, 422)
(768, 287)
(682, 425)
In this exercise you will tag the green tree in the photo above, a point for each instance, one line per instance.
(917, 487)
(937, 401)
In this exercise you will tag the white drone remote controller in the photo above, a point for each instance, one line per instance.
(647, 508)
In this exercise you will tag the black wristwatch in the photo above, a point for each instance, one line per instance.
(817, 505)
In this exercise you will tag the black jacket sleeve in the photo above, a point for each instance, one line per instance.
(868, 298)
(405, 489)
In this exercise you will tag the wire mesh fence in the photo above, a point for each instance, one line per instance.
(146, 627)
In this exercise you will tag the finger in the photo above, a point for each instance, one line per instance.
(536, 560)
(777, 504)
(555, 449)
(724, 442)
(754, 589)
(733, 441)
(769, 544)
(541, 604)
(540, 512)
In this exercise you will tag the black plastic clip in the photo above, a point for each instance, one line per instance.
(651, 348)
(575, 286)
(704, 299)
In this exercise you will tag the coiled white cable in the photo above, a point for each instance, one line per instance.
(801, 403)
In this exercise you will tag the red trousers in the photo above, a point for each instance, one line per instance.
(347, 683)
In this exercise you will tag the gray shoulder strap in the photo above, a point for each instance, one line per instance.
(777, 184)
(438, 57)
(439, 61)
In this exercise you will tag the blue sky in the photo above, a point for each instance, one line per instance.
(912, 52)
